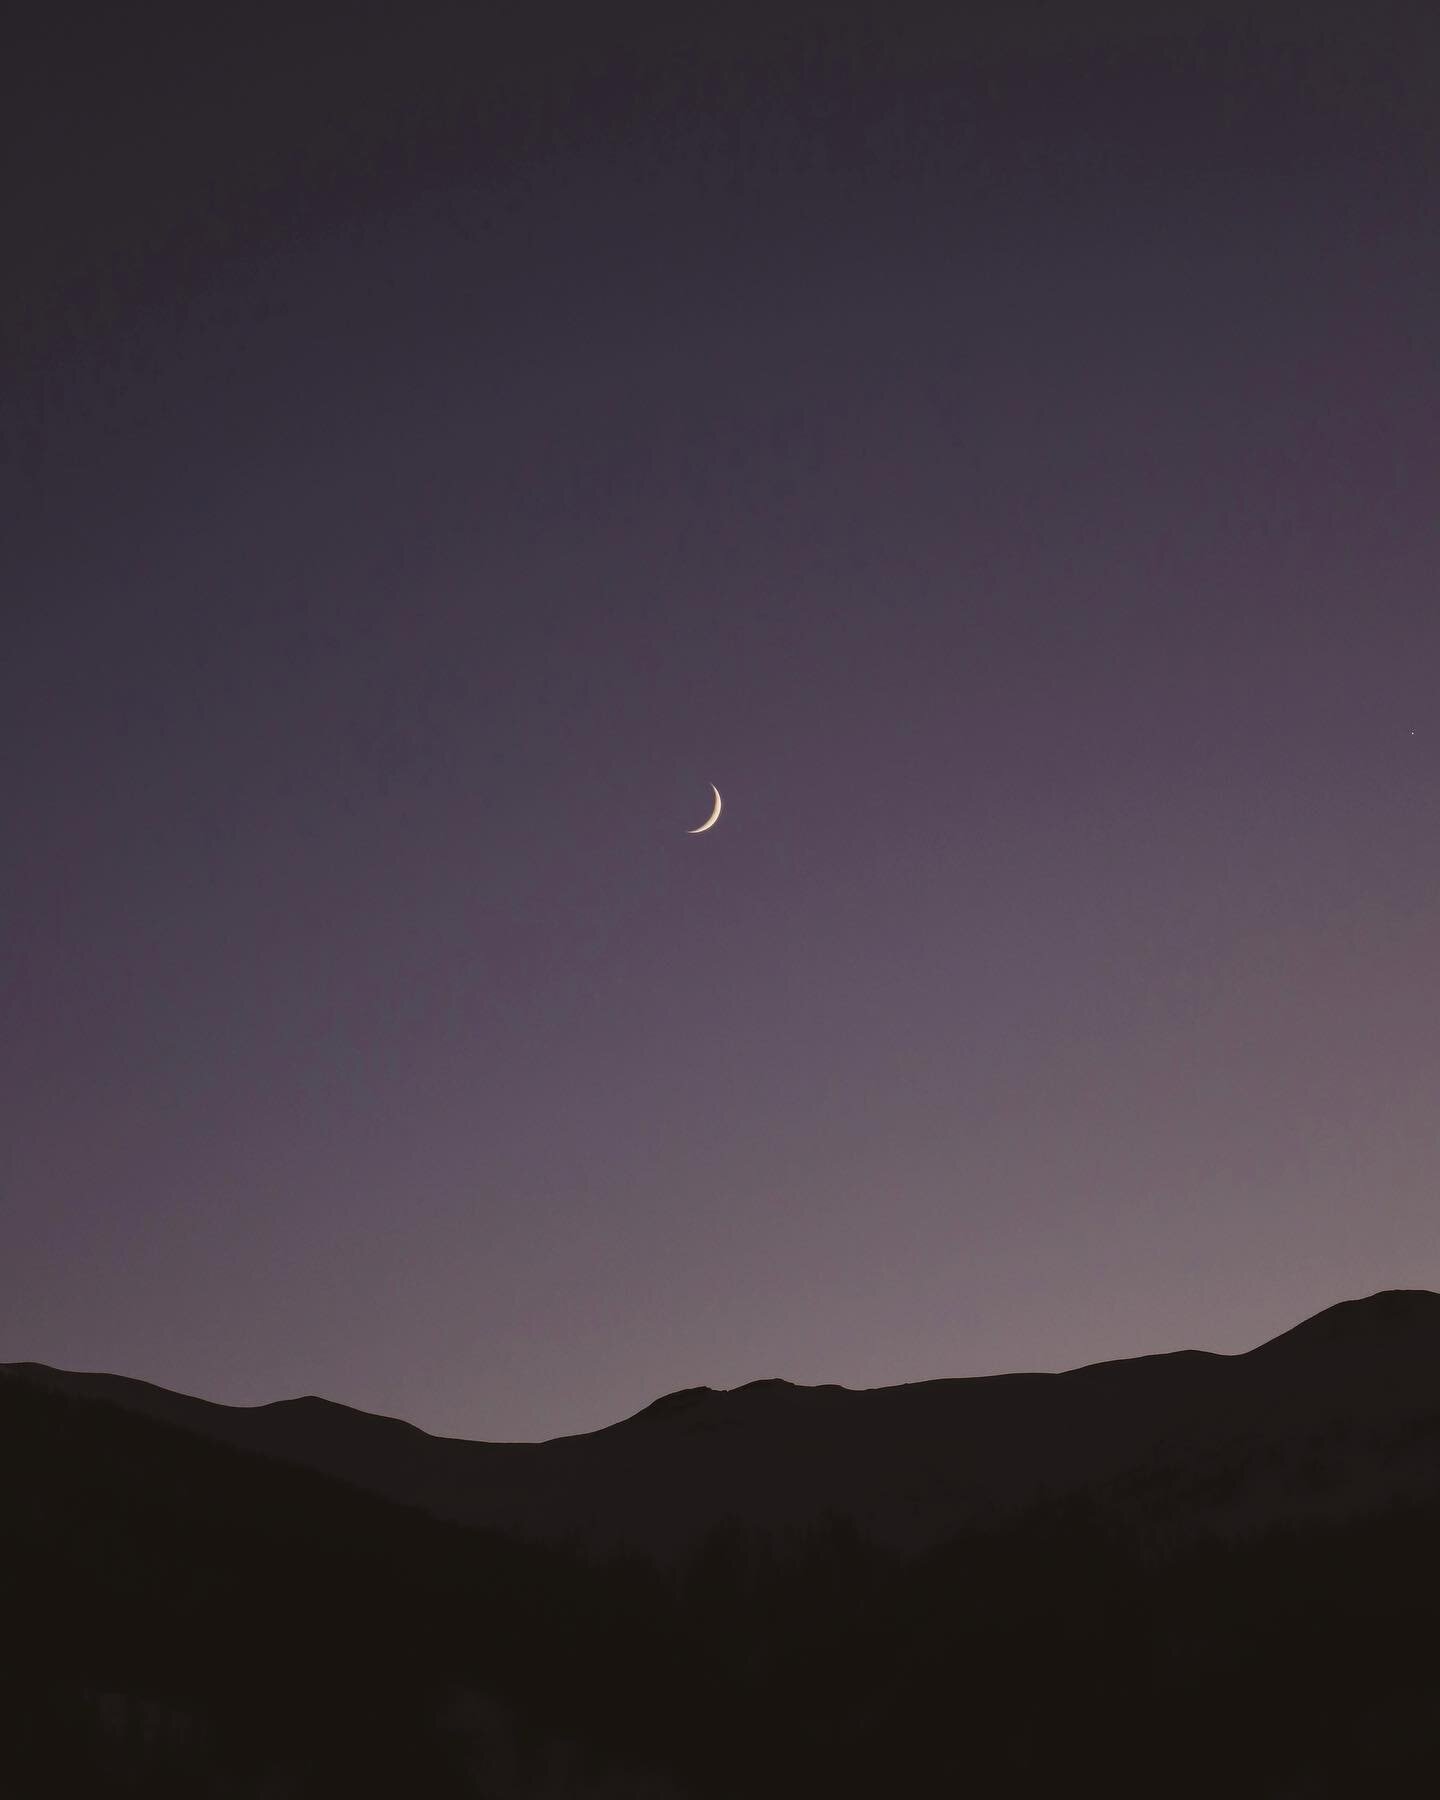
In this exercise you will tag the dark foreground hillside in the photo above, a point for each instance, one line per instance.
(184, 1619)
(181, 1618)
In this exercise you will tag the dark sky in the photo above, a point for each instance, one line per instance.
(441, 440)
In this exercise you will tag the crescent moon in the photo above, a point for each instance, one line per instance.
(697, 829)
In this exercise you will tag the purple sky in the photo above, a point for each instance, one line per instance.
(1005, 463)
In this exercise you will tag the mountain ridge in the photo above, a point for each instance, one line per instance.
(909, 1463)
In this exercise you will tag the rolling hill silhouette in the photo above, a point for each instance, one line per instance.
(1191, 1574)
(1340, 1414)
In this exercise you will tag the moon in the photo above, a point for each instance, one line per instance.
(697, 829)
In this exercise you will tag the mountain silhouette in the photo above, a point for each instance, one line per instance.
(1336, 1416)
(1194, 1573)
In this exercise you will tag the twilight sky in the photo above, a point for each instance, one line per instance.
(441, 440)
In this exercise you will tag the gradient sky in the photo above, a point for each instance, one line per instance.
(1002, 454)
